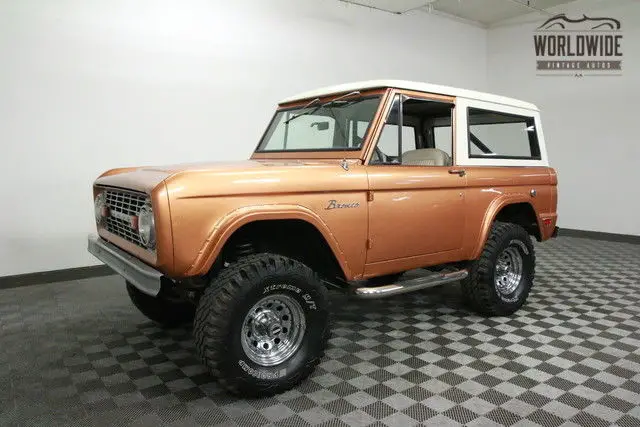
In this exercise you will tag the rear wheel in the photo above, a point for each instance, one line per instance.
(499, 282)
(165, 312)
(262, 325)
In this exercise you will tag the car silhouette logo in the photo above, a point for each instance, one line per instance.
(562, 22)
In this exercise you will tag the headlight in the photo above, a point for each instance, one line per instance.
(100, 207)
(147, 226)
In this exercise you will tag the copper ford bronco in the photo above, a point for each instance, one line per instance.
(377, 188)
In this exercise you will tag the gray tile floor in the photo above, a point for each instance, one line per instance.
(78, 353)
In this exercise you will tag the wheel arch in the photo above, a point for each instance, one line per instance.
(227, 229)
(513, 209)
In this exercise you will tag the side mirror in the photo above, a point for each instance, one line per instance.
(321, 125)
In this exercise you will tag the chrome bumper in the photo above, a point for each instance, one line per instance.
(139, 274)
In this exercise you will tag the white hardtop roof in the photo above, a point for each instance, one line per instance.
(409, 85)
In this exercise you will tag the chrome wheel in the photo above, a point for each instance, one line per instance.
(508, 272)
(272, 330)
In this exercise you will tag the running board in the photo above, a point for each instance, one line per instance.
(410, 284)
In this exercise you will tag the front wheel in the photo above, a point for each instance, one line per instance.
(499, 282)
(262, 325)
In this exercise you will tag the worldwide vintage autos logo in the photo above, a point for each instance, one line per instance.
(579, 47)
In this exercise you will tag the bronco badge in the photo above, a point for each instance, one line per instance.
(335, 205)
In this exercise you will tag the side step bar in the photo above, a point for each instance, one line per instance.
(411, 285)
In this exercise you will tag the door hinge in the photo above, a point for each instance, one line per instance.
(369, 244)
(370, 196)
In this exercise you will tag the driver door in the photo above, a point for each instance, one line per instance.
(417, 196)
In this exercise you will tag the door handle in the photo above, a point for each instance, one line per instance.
(460, 172)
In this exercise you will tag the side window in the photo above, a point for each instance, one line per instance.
(443, 138)
(391, 142)
(388, 142)
(500, 135)
(417, 132)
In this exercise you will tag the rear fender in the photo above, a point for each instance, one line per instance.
(492, 211)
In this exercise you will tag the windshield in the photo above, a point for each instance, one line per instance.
(338, 125)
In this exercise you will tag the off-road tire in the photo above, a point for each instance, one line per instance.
(221, 312)
(162, 311)
(480, 290)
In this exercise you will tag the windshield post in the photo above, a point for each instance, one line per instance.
(400, 114)
(286, 130)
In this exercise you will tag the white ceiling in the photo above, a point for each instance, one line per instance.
(485, 12)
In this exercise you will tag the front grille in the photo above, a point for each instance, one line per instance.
(122, 206)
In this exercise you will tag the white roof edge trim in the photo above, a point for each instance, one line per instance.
(410, 85)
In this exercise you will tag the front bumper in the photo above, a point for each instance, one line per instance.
(139, 274)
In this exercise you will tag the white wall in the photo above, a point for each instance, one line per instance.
(590, 124)
(87, 85)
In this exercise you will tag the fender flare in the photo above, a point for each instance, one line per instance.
(224, 228)
(492, 211)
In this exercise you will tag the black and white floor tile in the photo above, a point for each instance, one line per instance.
(79, 354)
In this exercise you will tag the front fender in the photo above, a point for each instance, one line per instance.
(492, 211)
(224, 228)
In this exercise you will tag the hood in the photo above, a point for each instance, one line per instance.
(236, 165)
(208, 179)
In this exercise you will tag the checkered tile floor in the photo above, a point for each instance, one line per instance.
(78, 353)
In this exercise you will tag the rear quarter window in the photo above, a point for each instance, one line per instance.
(500, 135)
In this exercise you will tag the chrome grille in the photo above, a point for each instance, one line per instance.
(123, 205)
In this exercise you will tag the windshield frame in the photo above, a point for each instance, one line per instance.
(328, 153)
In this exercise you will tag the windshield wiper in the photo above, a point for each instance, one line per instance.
(326, 104)
(309, 104)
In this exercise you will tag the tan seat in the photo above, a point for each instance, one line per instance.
(426, 157)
